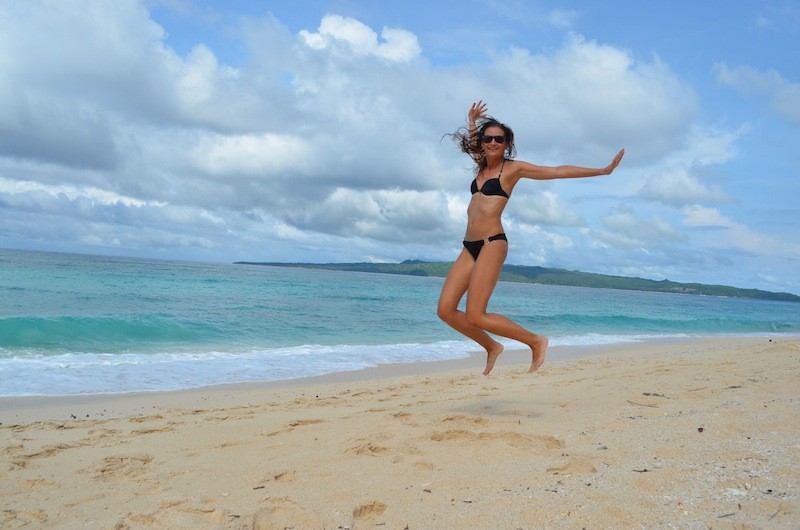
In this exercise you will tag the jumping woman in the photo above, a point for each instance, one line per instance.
(477, 269)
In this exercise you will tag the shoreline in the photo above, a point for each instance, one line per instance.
(15, 410)
(28, 409)
(698, 434)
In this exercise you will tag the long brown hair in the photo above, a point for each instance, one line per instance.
(472, 144)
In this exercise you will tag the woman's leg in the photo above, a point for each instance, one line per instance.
(482, 282)
(455, 285)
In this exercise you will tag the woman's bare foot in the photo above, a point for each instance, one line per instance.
(538, 350)
(491, 357)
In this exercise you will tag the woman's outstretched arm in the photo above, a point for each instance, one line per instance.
(532, 171)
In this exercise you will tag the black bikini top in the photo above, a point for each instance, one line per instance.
(491, 186)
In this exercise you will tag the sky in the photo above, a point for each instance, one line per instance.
(314, 131)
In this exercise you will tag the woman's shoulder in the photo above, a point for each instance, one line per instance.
(514, 168)
(518, 167)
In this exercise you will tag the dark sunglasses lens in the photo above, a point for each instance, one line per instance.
(488, 139)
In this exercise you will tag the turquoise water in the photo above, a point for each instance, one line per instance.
(87, 324)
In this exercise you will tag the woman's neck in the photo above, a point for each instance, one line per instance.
(494, 162)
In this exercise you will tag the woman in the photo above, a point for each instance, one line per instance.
(477, 269)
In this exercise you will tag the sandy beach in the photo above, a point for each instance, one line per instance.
(693, 434)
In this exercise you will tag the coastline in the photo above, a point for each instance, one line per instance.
(696, 432)
(15, 410)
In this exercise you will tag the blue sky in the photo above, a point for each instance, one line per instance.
(312, 131)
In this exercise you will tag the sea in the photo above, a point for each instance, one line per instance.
(83, 324)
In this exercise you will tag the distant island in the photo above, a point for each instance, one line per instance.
(547, 276)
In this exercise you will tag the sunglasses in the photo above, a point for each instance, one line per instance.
(488, 139)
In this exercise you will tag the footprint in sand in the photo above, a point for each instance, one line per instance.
(300, 423)
(177, 514)
(36, 484)
(283, 513)
(102, 437)
(365, 516)
(423, 468)
(573, 465)
(51, 450)
(141, 418)
(514, 439)
(273, 518)
(119, 467)
(465, 420)
(20, 518)
(368, 449)
(152, 430)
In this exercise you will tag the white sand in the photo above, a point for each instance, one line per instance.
(702, 433)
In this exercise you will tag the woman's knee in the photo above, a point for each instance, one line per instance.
(445, 313)
(475, 317)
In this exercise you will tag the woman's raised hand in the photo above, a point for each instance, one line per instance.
(476, 111)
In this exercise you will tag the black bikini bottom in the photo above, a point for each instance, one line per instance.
(474, 247)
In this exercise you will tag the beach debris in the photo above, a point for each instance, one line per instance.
(645, 470)
(653, 394)
(700, 429)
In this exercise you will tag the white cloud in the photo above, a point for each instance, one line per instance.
(196, 84)
(95, 195)
(251, 154)
(783, 95)
(678, 187)
(387, 215)
(699, 216)
(544, 207)
(399, 45)
(592, 98)
(533, 244)
(726, 233)
(626, 230)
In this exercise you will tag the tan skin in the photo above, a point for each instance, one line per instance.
(478, 278)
